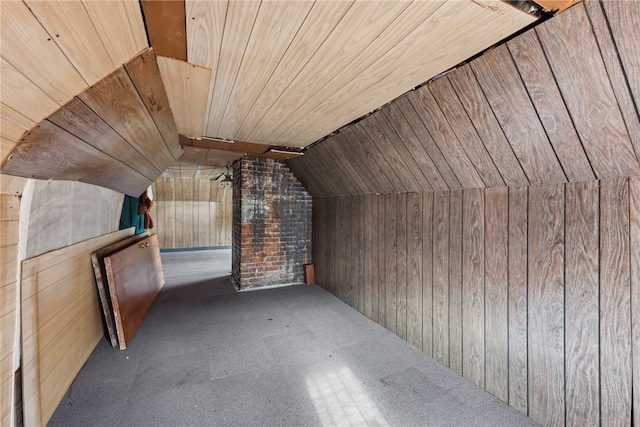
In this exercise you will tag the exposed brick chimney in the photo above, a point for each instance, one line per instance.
(271, 225)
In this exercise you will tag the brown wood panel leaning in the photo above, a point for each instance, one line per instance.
(546, 304)
(116, 100)
(138, 265)
(391, 265)
(334, 172)
(455, 281)
(486, 125)
(496, 286)
(518, 388)
(473, 315)
(166, 27)
(401, 271)
(463, 129)
(634, 249)
(623, 18)
(417, 181)
(50, 152)
(502, 85)
(427, 273)
(408, 137)
(426, 140)
(145, 75)
(550, 107)
(615, 304)
(414, 269)
(441, 276)
(80, 120)
(584, 82)
(433, 119)
(619, 55)
(582, 304)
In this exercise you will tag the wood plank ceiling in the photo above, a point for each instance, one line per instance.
(555, 104)
(288, 73)
(271, 72)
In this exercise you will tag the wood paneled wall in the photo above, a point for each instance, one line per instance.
(61, 322)
(191, 213)
(556, 104)
(531, 292)
(9, 229)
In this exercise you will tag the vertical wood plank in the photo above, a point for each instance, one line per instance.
(169, 212)
(188, 226)
(414, 269)
(441, 277)
(581, 304)
(518, 388)
(369, 237)
(391, 266)
(382, 260)
(546, 304)
(615, 304)
(362, 225)
(401, 271)
(496, 284)
(455, 281)
(375, 264)
(427, 273)
(473, 316)
(634, 193)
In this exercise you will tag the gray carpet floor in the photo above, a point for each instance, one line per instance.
(293, 356)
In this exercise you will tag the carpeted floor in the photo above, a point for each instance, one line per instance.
(293, 356)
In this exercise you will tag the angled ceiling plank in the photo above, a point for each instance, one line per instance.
(187, 87)
(116, 100)
(166, 27)
(118, 35)
(479, 111)
(539, 80)
(50, 152)
(583, 81)
(463, 129)
(503, 87)
(417, 150)
(70, 26)
(81, 121)
(144, 73)
(26, 45)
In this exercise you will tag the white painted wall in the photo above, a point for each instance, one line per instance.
(55, 214)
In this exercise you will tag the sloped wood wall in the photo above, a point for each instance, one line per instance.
(119, 133)
(191, 213)
(529, 292)
(556, 104)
